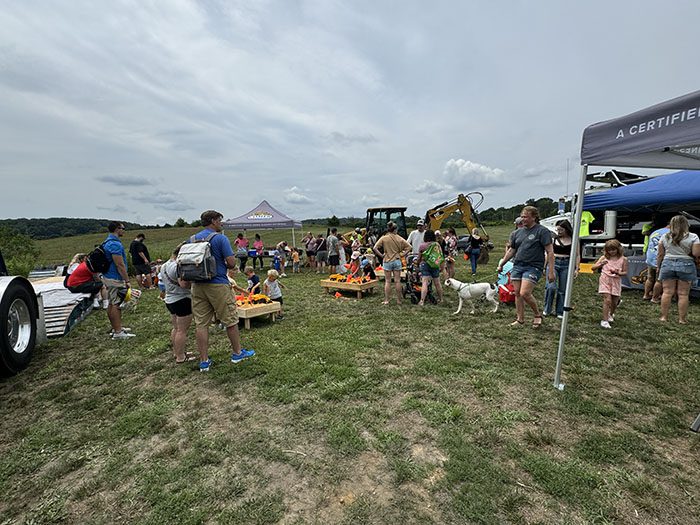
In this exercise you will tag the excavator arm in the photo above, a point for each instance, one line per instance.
(462, 204)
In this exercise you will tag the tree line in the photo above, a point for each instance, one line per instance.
(55, 227)
(67, 227)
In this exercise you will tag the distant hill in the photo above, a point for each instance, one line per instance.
(61, 226)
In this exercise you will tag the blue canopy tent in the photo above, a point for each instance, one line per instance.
(657, 194)
(666, 136)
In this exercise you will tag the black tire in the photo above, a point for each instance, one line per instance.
(17, 328)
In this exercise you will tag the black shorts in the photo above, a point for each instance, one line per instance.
(91, 287)
(181, 308)
(143, 269)
(309, 253)
(334, 260)
(278, 300)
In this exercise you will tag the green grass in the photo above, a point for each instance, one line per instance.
(353, 412)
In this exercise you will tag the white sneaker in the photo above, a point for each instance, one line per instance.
(605, 324)
(283, 275)
(122, 335)
(560, 317)
(105, 304)
(96, 304)
(611, 318)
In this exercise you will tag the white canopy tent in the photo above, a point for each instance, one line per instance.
(666, 136)
(263, 217)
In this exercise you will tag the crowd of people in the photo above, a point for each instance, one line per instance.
(531, 252)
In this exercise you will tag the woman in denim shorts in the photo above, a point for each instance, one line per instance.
(530, 246)
(676, 262)
(428, 273)
(391, 247)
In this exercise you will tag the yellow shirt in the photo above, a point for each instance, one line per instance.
(586, 220)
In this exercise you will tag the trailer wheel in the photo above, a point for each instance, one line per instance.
(17, 328)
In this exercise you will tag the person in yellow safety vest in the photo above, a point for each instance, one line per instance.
(647, 229)
(586, 220)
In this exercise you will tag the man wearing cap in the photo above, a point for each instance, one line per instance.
(415, 238)
(213, 300)
(116, 278)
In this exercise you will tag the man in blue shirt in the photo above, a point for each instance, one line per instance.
(214, 300)
(116, 279)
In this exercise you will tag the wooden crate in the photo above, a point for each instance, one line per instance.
(358, 288)
(256, 310)
(380, 274)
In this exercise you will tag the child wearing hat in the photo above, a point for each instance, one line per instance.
(355, 264)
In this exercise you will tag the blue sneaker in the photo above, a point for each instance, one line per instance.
(237, 358)
(204, 365)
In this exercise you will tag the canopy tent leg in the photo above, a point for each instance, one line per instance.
(695, 427)
(294, 240)
(578, 210)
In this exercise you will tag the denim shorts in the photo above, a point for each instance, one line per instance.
(427, 271)
(680, 269)
(523, 271)
(393, 266)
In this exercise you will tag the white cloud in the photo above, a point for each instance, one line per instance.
(294, 195)
(466, 175)
(537, 171)
(372, 199)
(434, 188)
(173, 201)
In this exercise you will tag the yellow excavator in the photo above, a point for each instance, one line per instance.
(466, 206)
(463, 205)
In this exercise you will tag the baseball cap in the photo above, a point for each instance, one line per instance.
(437, 232)
(355, 255)
(518, 221)
(420, 222)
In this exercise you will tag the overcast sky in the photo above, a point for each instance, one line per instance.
(150, 111)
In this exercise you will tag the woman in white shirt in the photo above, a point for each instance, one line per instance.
(678, 250)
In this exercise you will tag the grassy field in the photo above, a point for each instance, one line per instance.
(355, 413)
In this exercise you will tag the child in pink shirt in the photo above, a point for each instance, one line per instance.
(612, 266)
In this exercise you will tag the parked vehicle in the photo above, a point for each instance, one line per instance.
(21, 321)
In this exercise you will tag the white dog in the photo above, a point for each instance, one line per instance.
(471, 291)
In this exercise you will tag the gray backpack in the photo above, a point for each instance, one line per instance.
(195, 261)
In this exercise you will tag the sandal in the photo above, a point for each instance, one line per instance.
(517, 322)
(537, 321)
(189, 356)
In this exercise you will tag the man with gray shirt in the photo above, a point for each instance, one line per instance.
(333, 245)
(528, 246)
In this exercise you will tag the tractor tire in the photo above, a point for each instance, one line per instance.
(17, 328)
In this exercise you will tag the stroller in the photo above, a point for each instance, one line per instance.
(412, 286)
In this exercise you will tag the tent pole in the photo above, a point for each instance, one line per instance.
(578, 210)
(696, 425)
(294, 241)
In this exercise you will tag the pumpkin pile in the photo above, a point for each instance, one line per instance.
(251, 299)
(336, 277)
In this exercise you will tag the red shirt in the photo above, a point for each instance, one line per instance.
(80, 275)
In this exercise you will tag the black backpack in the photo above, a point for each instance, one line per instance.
(97, 260)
